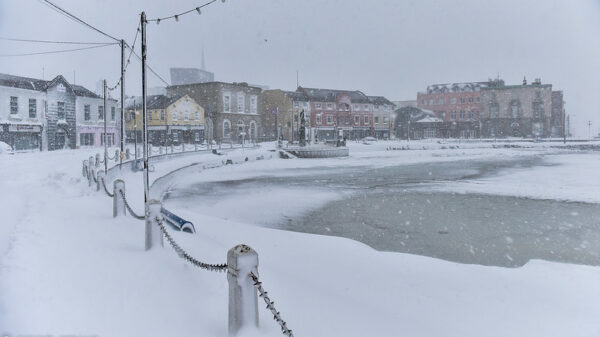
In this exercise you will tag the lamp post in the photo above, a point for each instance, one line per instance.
(105, 135)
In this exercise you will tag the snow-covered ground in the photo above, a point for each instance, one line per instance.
(68, 268)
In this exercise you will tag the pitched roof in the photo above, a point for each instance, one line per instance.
(380, 100)
(330, 95)
(28, 83)
(296, 96)
(157, 101)
(7, 80)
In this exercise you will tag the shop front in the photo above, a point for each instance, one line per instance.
(22, 136)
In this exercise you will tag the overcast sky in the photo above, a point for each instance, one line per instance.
(390, 48)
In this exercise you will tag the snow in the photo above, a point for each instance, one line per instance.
(569, 177)
(68, 267)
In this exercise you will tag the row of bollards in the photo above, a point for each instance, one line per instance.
(241, 259)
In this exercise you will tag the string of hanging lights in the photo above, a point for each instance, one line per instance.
(177, 16)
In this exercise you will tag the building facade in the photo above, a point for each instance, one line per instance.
(172, 120)
(516, 110)
(383, 110)
(458, 105)
(282, 110)
(231, 109)
(90, 114)
(558, 120)
(339, 113)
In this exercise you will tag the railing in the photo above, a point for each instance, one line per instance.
(242, 261)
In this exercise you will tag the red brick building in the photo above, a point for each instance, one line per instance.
(457, 104)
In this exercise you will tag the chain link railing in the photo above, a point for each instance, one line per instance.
(184, 255)
(139, 217)
(106, 189)
(271, 306)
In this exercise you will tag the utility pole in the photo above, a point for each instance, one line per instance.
(122, 103)
(144, 126)
(105, 136)
(135, 129)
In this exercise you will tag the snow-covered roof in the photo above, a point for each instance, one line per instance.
(429, 120)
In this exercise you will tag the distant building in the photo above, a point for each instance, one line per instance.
(415, 123)
(457, 105)
(51, 115)
(172, 120)
(231, 109)
(558, 120)
(516, 110)
(383, 111)
(339, 113)
(402, 104)
(181, 76)
(283, 108)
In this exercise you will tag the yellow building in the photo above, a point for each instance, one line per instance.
(171, 120)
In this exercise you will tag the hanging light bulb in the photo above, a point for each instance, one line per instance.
(223, 1)
(198, 10)
(157, 21)
(176, 17)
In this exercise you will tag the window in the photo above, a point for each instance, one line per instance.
(197, 115)
(162, 115)
(538, 110)
(367, 121)
(317, 105)
(252, 129)
(376, 119)
(226, 129)
(253, 108)
(452, 114)
(110, 139)
(186, 116)
(60, 110)
(329, 119)
(355, 106)
(175, 136)
(462, 114)
(431, 102)
(32, 108)
(227, 103)
(175, 115)
(471, 114)
(453, 100)
(112, 113)
(86, 112)
(100, 112)
(478, 99)
(514, 110)
(366, 107)
(240, 102)
(441, 101)
(86, 139)
(424, 102)
(347, 120)
(462, 100)
(197, 136)
(376, 107)
(150, 113)
(470, 99)
(329, 106)
(386, 119)
(356, 120)
(493, 111)
(14, 105)
(296, 104)
(319, 119)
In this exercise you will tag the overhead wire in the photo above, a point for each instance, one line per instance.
(48, 41)
(176, 16)
(57, 51)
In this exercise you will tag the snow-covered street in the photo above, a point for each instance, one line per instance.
(68, 267)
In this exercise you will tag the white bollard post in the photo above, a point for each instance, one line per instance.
(160, 150)
(172, 148)
(99, 175)
(154, 236)
(118, 200)
(97, 161)
(92, 175)
(243, 301)
(195, 146)
(85, 168)
(127, 154)
(117, 155)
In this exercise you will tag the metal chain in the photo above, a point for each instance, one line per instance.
(183, 254)
(106, 189)
(271, 306)
(129, 207)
